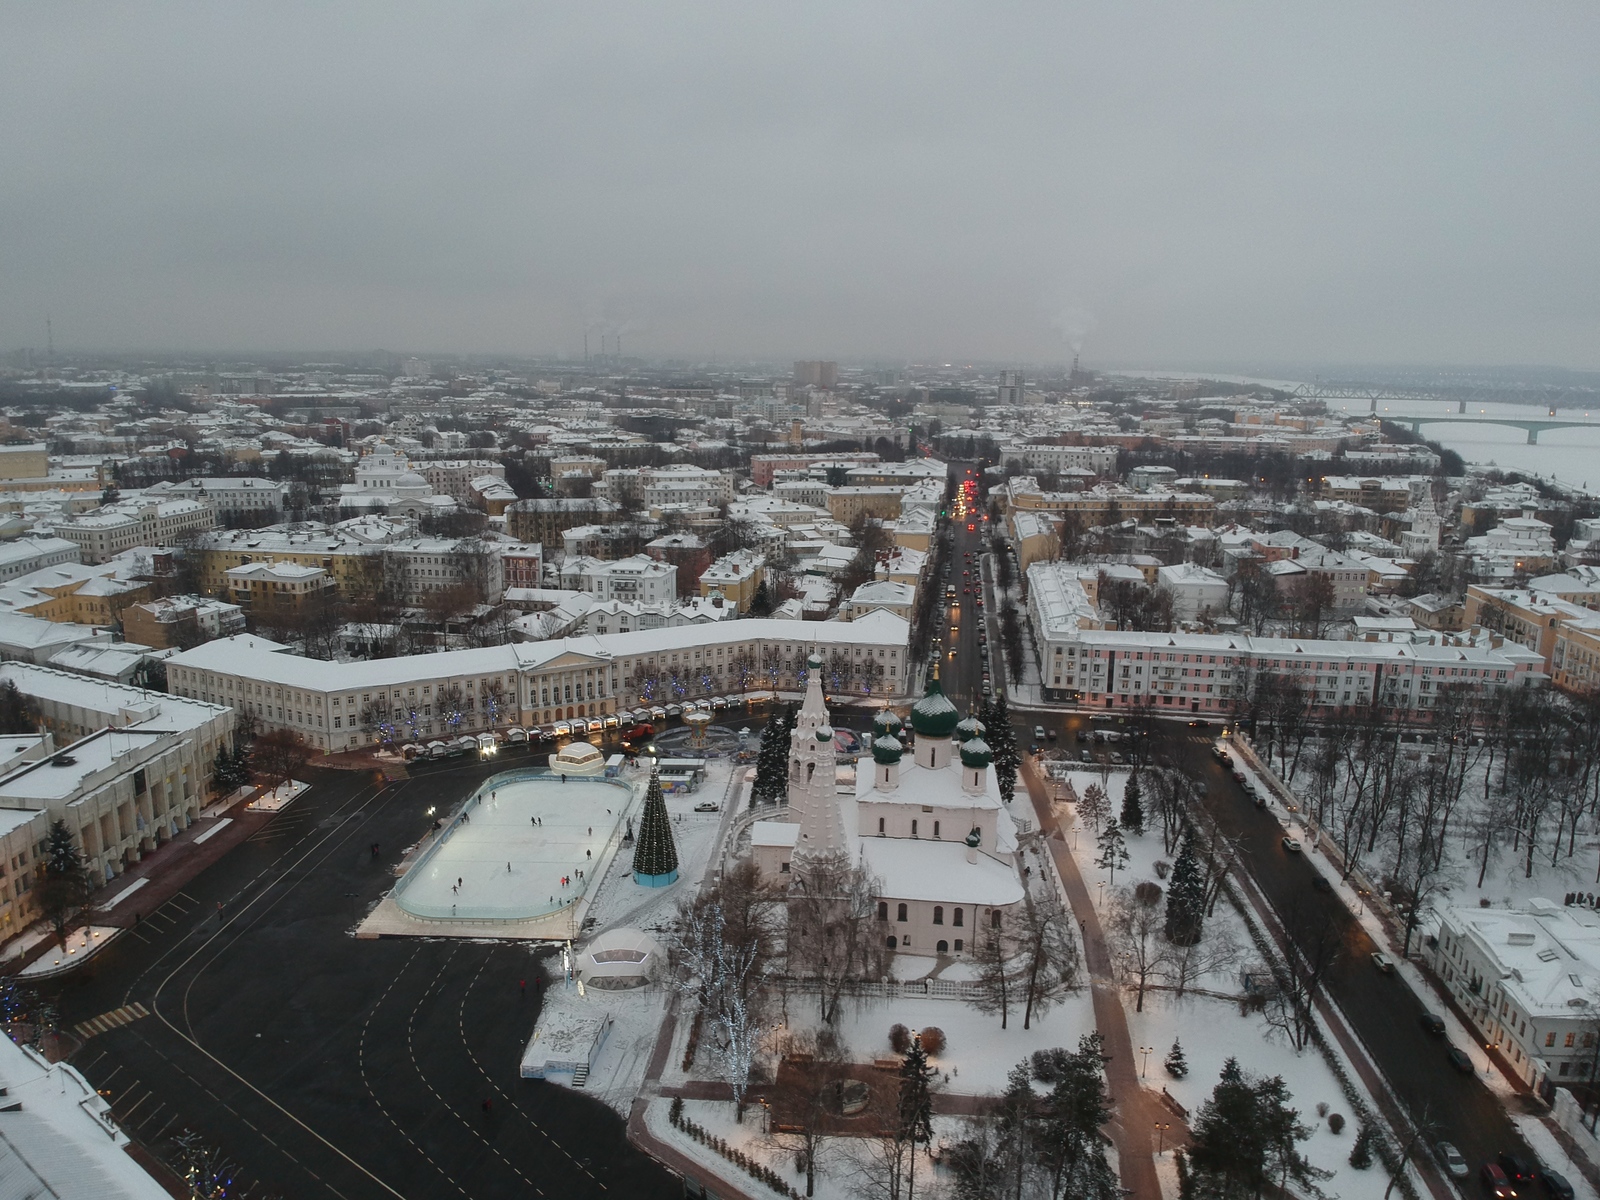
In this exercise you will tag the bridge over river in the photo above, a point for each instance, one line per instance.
(1533, 425)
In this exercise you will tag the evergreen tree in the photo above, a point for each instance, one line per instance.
(1113, 850)
(1002, 739)
(1132, 807)
(1177, 1066)
(1244, 1138)
(772, 762)
(18, 713)
(1361, 1152)
(1069, 1134)
(914, 1109)
(242, 767)
(1186, 896)
(654, 853)
(66, 884)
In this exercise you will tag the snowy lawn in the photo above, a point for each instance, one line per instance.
(978, 1052)
(1211, 1031)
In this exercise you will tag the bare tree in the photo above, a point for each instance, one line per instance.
(1048, 951)
(1137, 937)
(833, 936)
(1311, 945)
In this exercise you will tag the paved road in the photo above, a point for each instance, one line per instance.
(326, 1066)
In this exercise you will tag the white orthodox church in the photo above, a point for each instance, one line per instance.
(928, 823)
(385, 482)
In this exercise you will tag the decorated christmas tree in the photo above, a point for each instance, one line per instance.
(655, 858)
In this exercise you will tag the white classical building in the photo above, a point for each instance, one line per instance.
(933, 831)
(334, 706)
(1526, 978)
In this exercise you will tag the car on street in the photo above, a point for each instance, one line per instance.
(1116, 757)
(1518, 1169)
(1082, 735)
(1383, 962)
(1556, 1185)
(1239, 776)
(1050, 735)
(708, 806)
(1433, 1023)
(1033, 749)
(1320, 882)
(1450, 1159)
(1038, 733)
(1463, 1063)
(639, 733)
(1085, 756)
(1495, 1182)
(1291, 845)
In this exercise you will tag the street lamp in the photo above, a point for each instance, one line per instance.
(1145, 1061)
(1161, 1136)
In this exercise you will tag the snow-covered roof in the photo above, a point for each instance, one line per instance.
(919, 869)
(774, 833)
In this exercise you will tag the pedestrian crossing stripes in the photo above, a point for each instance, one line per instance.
(114, 1019)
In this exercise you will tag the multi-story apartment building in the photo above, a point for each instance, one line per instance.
(1097, 460)
(231, 499)
(1217, 673)
(454, 477)
(180, 621)
(118, 527)
(334, 706)
(763, 466)
(1107, 503)
(1575, 655)
(29, 554)
(735, 577)
(1526, 617)
(544, 521)
(636, 580)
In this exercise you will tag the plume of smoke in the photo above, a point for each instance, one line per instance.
(1075, 324)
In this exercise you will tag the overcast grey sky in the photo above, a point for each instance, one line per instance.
(1168, 184)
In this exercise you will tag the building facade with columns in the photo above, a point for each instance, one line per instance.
(342, 705)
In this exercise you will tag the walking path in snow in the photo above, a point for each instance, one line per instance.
(1136, 1111)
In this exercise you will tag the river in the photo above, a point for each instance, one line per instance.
(1569, 455)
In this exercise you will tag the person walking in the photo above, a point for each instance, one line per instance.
(588, 854)
(522, 987)
(508, 868)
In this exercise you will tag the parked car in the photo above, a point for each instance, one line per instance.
(1291, 845)
(1450, 1159)
(1038, 733)
(1383, 962)
(1085, 756)
(1461, 1062)
(1495, 1182)
(1239, 776)
(708, 806)
(639, 733)
(1050, 735)
(1116, 757)
(1433, 1023)
(1556, 1185)
(1320, 882)
(1518, 1169)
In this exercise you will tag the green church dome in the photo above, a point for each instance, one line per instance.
(934, 716)
(975, 752)
(969, 728)
(975, 838)
(887, 750)
(824, 733)
(887, 722)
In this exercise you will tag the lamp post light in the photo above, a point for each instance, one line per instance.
(1161, 1136)
(1144, 1051)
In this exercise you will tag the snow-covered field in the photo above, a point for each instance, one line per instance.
(1211, 1031)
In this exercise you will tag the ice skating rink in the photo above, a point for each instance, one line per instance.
(540, 828)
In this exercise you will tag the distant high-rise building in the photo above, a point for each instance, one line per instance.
(1011, 388)
(816, 374)
(416, 368)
